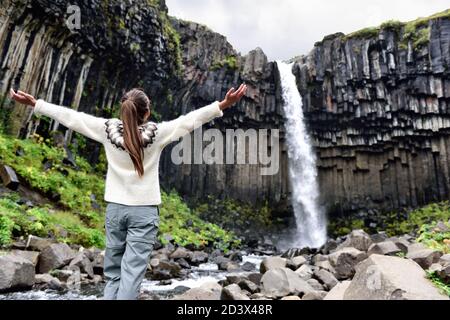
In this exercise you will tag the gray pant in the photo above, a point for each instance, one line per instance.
(130, 235)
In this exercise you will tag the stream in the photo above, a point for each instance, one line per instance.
(207, 272)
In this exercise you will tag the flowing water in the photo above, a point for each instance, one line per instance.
(204, 273)
(310, 217)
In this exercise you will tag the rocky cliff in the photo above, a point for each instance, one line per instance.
(210, 67)
(377, 103)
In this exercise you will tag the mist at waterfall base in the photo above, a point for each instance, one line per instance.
(310, 230)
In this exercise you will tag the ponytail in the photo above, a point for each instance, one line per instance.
(131, 134)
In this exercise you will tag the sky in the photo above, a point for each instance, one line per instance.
(288, 28)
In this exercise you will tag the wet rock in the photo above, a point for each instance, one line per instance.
(163, 270)
(46, 281)
(73, 282)
(345, 260)
(98, 263)
(248, 285)
(83, 262)
(199, 257)
(233, 292)
(183, 263)
(31, 256)
(272, 263)
(248, 266)
(391, 278)
(181, 253)
(255, 278)
(62, 275)
(55, 256)
(16, 273)
(280, 282)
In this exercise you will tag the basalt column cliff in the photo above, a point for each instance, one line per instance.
(378, 107)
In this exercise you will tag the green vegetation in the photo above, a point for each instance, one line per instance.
(437, 281)
(73, 219)
(434, 237)
(417, 31)
(229, 62)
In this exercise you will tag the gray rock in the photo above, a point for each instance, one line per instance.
(272, 263)
(55, 256)
(62, 275)
(305, 272)
(164, 270)
(298, 261)
(441, 227)
(391, 278)
(233, 292)
(424, 257)
(32, 256)
(291, 298)
(98, 263)
(83, 262)
(38, 244)
(387, 248)
(345, 260)
(255, 278)
(379, 237)
(248, 285)
(444, 259)
(315, 295)
(183, 263)
(181, 253)
(281, 282)
(326, 278)
(259, 296)
(46, 281)
(357, 239)
(16, 273)
(315, 284)
(337, 293)
(208, 291)
(199, 257)
(73, 282)
(325, 264)
(248, 266)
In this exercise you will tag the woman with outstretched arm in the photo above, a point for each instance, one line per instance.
(133, 146)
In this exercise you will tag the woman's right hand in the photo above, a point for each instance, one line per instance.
(22, 97)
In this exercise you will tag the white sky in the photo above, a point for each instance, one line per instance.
(287, 28)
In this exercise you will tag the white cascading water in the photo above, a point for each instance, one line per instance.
(310, 217)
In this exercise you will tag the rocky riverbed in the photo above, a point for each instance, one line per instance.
(357, 266)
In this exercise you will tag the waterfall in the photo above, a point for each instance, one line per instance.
(310, 217)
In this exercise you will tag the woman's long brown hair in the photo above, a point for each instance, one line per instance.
(135, 104)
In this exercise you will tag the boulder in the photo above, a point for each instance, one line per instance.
(16, 273)
(163, 270)
(207, 291)
(315, 284)
(315, 295)
(345, 260)
(444, 259)
(82, 261)
(9, 177)
(32, 256)
(199, 257)
(305, 272)
(233, 292)
(291, 298)
(37, 244)
(73, 282)
(248, 266)
(326, 278)
(255, 278)
(281, 282)
(298, 261)
(183, 263)
(337, 293)
(62, 275)
(387, 248)
(272, 263)
(46, 281)
(325, 264)
(391, 278)
(55, 256)
(181, 253)
(248, 285)
(98, 263)
(357, 239)
(424, 257)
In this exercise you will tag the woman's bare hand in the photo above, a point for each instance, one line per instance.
(22, 97)
(233, 96)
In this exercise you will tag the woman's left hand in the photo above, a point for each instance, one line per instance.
(233, 96)
(22, 97)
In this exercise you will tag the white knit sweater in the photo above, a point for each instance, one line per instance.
(123, 184)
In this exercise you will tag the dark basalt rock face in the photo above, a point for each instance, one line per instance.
(121, 44)
(211, 67)
(378, 111)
